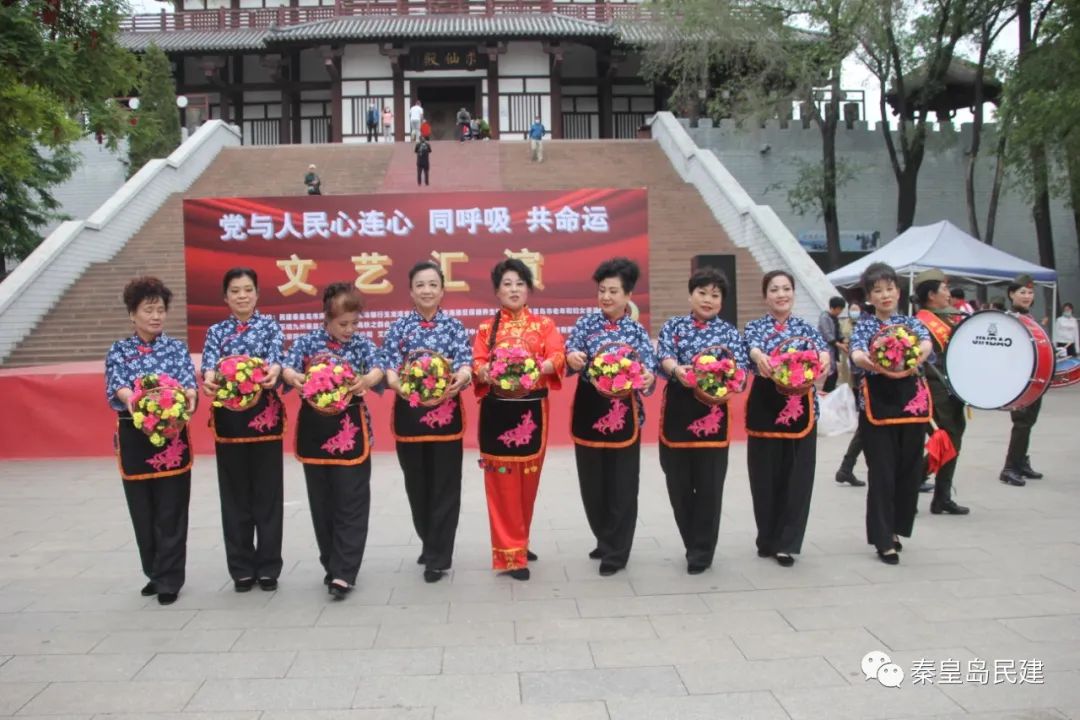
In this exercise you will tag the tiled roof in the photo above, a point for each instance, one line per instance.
(189, 40)
(448, 26)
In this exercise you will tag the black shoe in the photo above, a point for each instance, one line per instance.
(763, 553)
(531, 556)
(326, 579)
(948, 507)
(607, 569)
(433, 576)
(148, 589)
(1026, 471)
(244, 584)
(926, 487)
(889, 558)
(339, 592)
(897, 545)
(167, 598)
(691, 569)
(595, 554)
(268, 584)
(1012, 477)
(420, 559)
(519, 574)
(785, 560)
(844, 476)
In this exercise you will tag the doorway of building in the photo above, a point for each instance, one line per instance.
(442, 99)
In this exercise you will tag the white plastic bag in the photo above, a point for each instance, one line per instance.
(838, 412)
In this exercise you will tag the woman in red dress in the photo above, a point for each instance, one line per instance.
(513, 431)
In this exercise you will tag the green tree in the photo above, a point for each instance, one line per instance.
(59, 66)
(157, 122)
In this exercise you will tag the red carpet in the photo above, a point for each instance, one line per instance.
(60, 411)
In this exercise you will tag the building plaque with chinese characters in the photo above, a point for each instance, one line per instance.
(465, 57)
(300, 244)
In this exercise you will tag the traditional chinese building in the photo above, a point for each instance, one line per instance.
(308, 71)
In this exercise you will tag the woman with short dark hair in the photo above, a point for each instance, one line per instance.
(513, 430)
(336, 449)
(607, 430)
(247, 442)
(429, 439)
(694, 437)
(157, 479)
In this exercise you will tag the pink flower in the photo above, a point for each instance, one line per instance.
(247, 387)
(527, 381)
(166, 400)
(425, 362)
(228, 366)
(610, 358)
(414, 400)
(604, 383)
(620, 381)
(691, 377)
(429, 382)
(149, 422)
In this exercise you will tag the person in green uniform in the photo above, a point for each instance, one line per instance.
(1018, 468)
(939, 316)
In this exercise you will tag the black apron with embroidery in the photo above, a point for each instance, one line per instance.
(891, 402)
(687, 422)
(341, 439)
(513, 428)
(142, 460)
(770, 413)
(600, 421)
(443, 422)
(262, 422)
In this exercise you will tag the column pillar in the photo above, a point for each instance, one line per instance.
(332, 63)
(556, 53)
(493, 94)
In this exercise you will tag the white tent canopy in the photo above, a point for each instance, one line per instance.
(945, 247)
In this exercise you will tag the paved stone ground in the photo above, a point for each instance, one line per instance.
(747, 639)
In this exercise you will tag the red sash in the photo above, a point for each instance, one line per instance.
(941, 330)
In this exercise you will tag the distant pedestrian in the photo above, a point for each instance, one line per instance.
(387, 124)
(416, 116)
(536, 139)
(373, 123)
(463, 124)
(423, 160)
(829, 327)
(312, 181)
(425, 129)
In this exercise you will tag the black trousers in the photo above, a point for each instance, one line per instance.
(695, 482)
(340, 499)
(949, 416)
(854, 450)
(250, 486)
(159, 514)
(423, 171)
(609, 480)
(1020, 439)
(372, 133)
(781, 483)
(831, 380)
(894, 457)
(433, 483)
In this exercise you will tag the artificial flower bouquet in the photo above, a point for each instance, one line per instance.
(425, 377)
(895, 350)
(714, 376)
(239, 379)
(616, 371)
(159, 407)
(326, 384)
(513, 371)
(796, 366)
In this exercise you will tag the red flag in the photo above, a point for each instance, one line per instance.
(939, 448)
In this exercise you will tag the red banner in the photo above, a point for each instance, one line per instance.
(300, 244)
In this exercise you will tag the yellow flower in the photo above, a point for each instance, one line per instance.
(157, 440)
(529, 363)
(505, 384)
(137, 418)
(721, 391)
(625, 362)
(707, 359)
(808, 374)
(440, 384)
(598, 361)
(152, 406)
(417, 371)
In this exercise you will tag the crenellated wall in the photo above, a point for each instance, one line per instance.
(761, 159)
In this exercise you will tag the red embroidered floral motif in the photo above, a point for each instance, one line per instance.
(793, 410)
(344, 440)
(269, 417)
(521, 435)
(920, 404)
(614, 420)
(171, 457)
(441, 416)
(709, 424)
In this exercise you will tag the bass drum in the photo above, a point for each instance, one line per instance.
(999, 361)
(1066, 372)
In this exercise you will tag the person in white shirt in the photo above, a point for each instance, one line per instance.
(1066, 331)
(416, 116)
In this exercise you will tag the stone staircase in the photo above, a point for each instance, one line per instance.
(91, 315)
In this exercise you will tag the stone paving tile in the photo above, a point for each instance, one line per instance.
(359, 663)
(278, 694)
(606, 588)
(1044, 629)
(849, 664)
(435, 690)
(14, 695)
(217, 666)
(587, 629)
(321, 638)
(720, 624)
(524, 610)
(847, 616)
(344, 614)
(445, 635)
(516, 658)
(869, 702)
(808, 643)
(106, 697)
(743, 675)
(655, 605)
(670, 651)
(1060, 690)
(729, 706)
(554, 711)
(600, 684)
(135, 641)
(39, 643)
(418, 713)
(72, 668)
(251, 715)
(945, 634)
(445, 592)
(255, 618)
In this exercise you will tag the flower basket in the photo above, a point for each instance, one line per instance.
(795, 365)
(894, 351)
(513, 370)
(616, 371)
(159, 408)
(239, 378)
(714, 376)
(327, 379)
(425, 377)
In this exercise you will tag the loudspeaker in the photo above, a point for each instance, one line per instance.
(726, 265)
